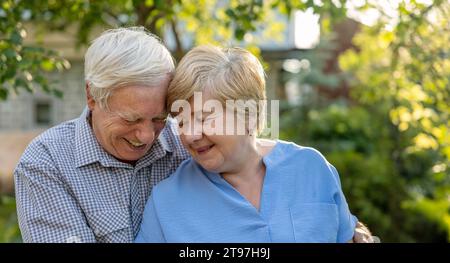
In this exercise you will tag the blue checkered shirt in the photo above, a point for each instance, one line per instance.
(68, 189)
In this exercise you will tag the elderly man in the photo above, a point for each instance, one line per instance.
(88, 179)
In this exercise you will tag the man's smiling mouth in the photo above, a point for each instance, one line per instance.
(136, 144)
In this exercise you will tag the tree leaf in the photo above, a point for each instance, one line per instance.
(3, 93)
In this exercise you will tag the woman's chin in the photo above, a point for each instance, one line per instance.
(210, 167)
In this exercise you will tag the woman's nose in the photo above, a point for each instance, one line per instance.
(194, 132)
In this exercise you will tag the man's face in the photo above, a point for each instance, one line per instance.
(135, 117)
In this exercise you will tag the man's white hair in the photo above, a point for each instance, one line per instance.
(123, 57)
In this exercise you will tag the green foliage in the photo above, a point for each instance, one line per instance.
(409, 77)
(23, 66)
(390, 141)
(9, 229)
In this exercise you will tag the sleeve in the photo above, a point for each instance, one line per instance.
(46, 211)
(347, 221)
(151, 231)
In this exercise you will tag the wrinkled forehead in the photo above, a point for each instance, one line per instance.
(133, 115)
(138, 101)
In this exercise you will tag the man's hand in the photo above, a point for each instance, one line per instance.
(363, 235)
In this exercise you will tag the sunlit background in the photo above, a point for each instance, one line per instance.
(365, 82)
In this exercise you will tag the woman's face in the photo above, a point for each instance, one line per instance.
(214, 151)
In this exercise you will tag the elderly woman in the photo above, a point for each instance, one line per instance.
(238, 188)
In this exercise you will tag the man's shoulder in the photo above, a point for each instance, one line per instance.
(61, 131)
(52, 139)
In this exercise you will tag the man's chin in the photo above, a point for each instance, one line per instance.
(131, 157)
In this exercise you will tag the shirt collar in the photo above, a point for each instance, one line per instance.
(88, 150)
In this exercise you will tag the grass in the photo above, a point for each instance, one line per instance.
(9, 228)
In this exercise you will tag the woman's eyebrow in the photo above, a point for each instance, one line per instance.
(202, 113)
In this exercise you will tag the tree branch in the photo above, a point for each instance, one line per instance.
(179, 52)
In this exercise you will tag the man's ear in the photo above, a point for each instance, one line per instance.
(90, 101)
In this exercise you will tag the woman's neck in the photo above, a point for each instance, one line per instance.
(249, 175)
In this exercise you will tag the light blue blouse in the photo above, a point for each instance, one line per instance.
(301, 201)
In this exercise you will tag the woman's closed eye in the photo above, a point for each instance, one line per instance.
(184, 124)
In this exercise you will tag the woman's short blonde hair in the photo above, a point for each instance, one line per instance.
(225, 73)
(125, 56)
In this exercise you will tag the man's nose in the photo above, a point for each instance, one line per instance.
(146, 133)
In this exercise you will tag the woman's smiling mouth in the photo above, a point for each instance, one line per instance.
(203, 149)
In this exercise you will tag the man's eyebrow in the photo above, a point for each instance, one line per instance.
(129, 115)
(163, 113)
(135, 116)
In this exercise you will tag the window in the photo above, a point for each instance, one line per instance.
(42, 113)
